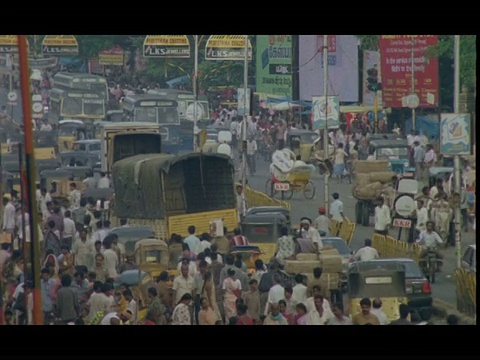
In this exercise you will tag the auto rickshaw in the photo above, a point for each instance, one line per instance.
(70, 131)
(128, 236)
(51, 180)
(152, 257)
(249, 255)
(366, 279)
(262, 230)
(46, 145)
(270, 209)
(435, 173)
(301, 142)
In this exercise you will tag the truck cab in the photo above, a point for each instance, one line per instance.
(126, 139)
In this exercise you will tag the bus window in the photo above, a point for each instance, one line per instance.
(146, 114)
(72, 106)
(94, 107)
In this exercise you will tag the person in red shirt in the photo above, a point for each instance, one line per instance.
(238, 239)
(150, 318)
(242, 317)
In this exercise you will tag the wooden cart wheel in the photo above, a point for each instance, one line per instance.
(309, 190)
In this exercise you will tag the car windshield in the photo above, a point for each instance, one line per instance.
(412, 270)
(340, 245)
(95, 147)
(392, 153)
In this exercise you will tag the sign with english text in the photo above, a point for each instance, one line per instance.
(166, 46)
(227, 47)
(60, 45)
(455, 134)
(396, 65)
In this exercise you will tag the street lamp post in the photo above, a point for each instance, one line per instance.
(195, 93)
(245, 117)
(325, 130)
(456, 158)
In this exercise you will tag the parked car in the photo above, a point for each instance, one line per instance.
(469, 258)
(417, 285)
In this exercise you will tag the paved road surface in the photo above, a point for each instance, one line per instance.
(443, 289)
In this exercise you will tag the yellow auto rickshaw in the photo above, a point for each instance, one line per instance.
(368, 279)
(248, 253)
(70, 131)
(301, 142)
(152, 257)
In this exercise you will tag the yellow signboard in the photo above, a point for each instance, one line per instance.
(166, 46)
(60, 45)
(9, 44)
(113, 56)
(227, 47)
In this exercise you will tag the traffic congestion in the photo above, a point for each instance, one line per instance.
(159, 206)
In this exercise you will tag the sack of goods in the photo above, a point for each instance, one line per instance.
(304, 266)
(368, 191)
(329, 250)
(367, 166)
(306, 257)
(331, 281)
(331, 263)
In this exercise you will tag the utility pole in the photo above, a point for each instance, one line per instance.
(30, 177)
(413, 83)
(244, 124)
(456, 158)
(195, 93)
(325, 130)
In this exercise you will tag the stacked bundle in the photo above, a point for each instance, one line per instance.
(371, 185)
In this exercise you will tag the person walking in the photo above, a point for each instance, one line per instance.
(382, 217)
(419, 159)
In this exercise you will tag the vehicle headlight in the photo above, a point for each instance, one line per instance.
(406, 164)
(389, 164)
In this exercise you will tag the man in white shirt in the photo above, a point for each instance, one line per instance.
(84, 250)
(299, 290)
(131, 305)
(422, 216)
(69, 229)
(410, 137)
(322, 222)
(184, 283)
(111, 258)
(310, 233)
(251, 151)
(276, 293)
(336, 208)
(104, 181)
(367, 252)
(378, 312)
(191, 240)
(382, 217)
(8, 218)
(43, 200)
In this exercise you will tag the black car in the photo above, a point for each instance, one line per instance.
(417, 285)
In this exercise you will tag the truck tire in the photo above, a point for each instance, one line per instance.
(365, 213)
(358, 212)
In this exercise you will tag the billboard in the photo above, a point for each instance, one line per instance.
(342, 66)
(9, 44)
(455, 134)
(396, 65)
(329, 110)
(60, 45)
(166, 46)
(371, 60)
(227, 47)
(274, 65)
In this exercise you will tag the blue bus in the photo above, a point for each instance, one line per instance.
(185, 100)
(156, 109)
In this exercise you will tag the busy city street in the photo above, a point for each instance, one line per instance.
(237, 180)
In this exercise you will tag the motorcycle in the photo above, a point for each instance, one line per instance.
(430, 265)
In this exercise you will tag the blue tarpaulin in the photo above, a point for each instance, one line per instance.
(426, 125)
(181, 80)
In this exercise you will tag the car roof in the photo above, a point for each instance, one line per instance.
(90, 141)
(71, 121)
(389, 143)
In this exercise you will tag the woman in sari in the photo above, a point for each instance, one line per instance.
(206, 315)
(51, 259)
(181, 313)
(283, 310)
(66, 261)
(209, 293)
(232, 289)
(301, 316)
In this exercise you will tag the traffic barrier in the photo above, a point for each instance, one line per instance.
(256, 198)
(389, 247)
(466, 292)
(345, 229)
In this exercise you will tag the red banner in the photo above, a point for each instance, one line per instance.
(396, 65)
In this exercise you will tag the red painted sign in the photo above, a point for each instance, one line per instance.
(396, 65)
(403, 223)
